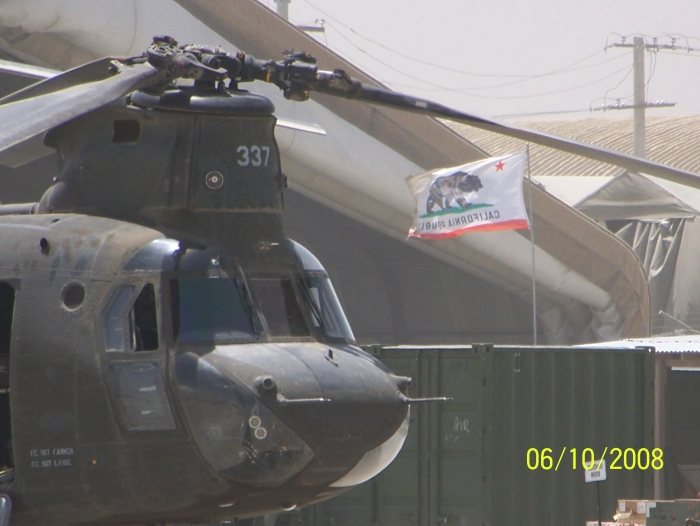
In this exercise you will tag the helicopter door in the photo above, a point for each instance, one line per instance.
(7, 308)
(136, 358)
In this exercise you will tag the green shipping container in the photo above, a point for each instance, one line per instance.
(465, 462)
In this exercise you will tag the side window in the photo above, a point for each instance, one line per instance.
(145, 320)
(131, 324)
(116, 320)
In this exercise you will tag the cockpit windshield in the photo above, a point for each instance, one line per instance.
(327, 316)
(279, 306)
(218, 302)
(210, 309)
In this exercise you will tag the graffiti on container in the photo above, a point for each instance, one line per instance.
(461, 426)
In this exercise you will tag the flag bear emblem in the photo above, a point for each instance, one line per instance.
(449, 189)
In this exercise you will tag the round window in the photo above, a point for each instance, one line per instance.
(73, 295)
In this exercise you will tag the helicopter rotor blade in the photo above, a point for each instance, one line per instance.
(91, 72)
(425, 107)
(26, 70)
(15, 76)
(61, 98)
(300, 126)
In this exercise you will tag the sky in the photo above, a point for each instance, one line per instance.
(511, 59)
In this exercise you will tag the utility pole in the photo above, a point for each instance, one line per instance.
(639, 99)
(283, 11)
(640, 104)
(283, 8)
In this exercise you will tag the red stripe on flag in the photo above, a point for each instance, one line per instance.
(514, 224)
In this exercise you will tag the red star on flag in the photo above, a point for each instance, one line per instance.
(499, 166)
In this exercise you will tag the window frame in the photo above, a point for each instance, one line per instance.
(127, 315)
(301, 302)
(167, 299)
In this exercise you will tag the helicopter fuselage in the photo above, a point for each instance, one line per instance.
(173, 357)
(153, 382)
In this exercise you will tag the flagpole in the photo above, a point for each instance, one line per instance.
(532, 243)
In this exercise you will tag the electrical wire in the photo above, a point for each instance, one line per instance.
(446, 68)
(557, 73)
(388, 66)
(684, 55)
(513, 97)
(494, 86)
(605, 97)
(467, 90)
(652, 69)
(519, 78)
(511, 115)
(654, 49)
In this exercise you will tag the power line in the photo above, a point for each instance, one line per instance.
(655, 43)
(605, 97)
(641, 45)
(509, 97)
(494, 86)
(652, 66)
(666, 42)
(467, 91)
(533, 114)
(549, 74)
(562, 70)
(653, 48)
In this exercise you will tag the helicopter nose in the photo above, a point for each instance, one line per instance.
(363, 423)
(264, 413)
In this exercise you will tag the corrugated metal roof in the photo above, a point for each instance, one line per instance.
(663, 344)
(674, 141)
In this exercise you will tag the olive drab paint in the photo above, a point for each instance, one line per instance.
(465, 461)
(173, 357)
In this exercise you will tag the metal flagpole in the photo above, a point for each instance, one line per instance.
(532, 242)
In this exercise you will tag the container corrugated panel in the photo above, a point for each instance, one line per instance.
(573, 399)
(465, 462)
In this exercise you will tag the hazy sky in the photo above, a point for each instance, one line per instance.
(496, 42)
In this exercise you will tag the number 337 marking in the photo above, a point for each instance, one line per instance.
(255, 155)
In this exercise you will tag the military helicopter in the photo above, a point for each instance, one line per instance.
(194, 365)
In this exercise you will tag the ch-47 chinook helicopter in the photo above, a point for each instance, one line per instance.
(172, 356)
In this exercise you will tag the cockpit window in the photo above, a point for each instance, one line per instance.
(328, 316)
(275, 298)
(131, 323)
(210, 309)
(279, 306)
(117, 322)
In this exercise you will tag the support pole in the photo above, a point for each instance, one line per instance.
(283, 8)
(639, 99)
(532, 243)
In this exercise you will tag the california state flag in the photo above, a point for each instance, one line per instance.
(483, 196)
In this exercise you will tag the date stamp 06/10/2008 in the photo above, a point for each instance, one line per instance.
(618, 458)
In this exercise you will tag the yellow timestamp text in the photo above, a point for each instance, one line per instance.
(618, 458)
